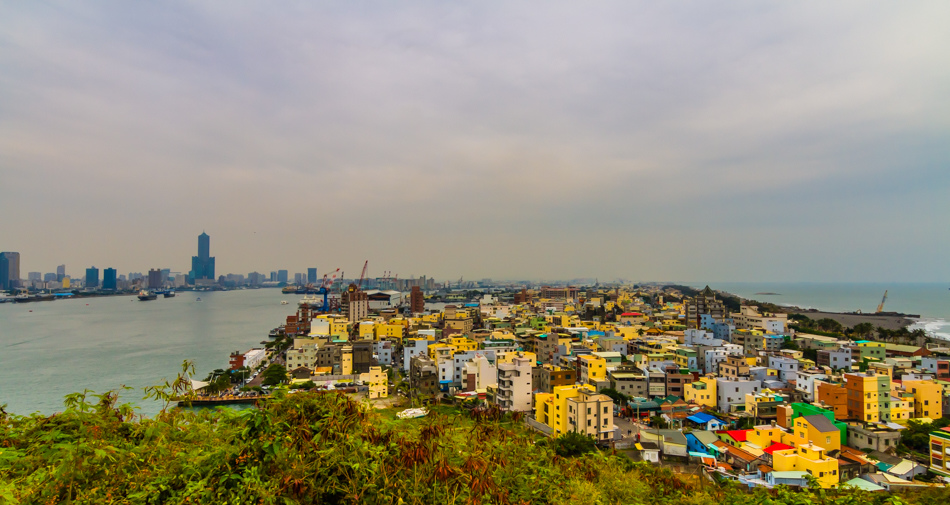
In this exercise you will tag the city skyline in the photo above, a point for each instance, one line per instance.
(729, 142)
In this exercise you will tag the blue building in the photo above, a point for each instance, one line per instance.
(312, 275)
(202, 265)
(109, 279)
(92, 277)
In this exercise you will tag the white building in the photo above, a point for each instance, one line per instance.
(479, 373)
(254, 357)
(514, 385)
(730, 393)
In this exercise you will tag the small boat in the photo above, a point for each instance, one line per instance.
(284, 302)
(198, 299)
(147, 295)
(169, 294)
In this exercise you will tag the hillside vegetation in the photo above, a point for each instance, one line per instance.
(328, 448)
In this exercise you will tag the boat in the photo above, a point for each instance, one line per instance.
(284, 302)
(198, 299)
(289, 289)
(169, 294)
(147, 295)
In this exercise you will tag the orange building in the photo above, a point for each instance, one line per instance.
(835, 398)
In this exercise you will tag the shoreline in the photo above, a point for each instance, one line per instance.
(887, 320)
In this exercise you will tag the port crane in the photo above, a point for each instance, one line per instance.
(880, 308)
(359, 285)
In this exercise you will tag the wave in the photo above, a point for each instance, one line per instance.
(938, 328)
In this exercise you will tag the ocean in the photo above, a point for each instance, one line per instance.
(931, 301)
(50, 349)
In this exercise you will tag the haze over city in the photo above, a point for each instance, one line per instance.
(740, 141)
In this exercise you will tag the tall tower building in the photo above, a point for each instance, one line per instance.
(109, 279)
(9, 270)
(312, 275)
(92, 277)
(60, 272)
(202, 265)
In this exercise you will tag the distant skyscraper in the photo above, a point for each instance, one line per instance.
(109, 279)
(60, 272)
(202, 265)
(298, 278)
(312, 275)
(49, 277)
(281, 276)
(92, 277)
(9, 270)
(154, 278)
(273, 276)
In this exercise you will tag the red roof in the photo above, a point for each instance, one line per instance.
(631, 314)
(738, 435)
(776, 447)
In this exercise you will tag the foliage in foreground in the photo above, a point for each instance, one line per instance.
(328, 448)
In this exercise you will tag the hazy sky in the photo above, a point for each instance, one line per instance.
(645, 140)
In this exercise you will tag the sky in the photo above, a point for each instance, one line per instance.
(723, 141)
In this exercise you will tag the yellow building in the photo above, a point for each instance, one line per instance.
(815, 429)
(346, 361)
(701, 392)
(329, 325)
(868, 396)
(592, 368)
(462, 344)
(762, 436)
(576, 408)
(389, 330)
(507, 357)
(367, 330)
(377, 380)
(441, 352)
(902, 407)
(928, 398)
(808, 458)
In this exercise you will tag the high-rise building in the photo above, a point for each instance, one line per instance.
(202, 265)
(273, 276)
(704, 303)
(417, 302)
(355, 304)
(49, 277)
(9, 270)
(109, 279)
(298, 278)
(154, 279)
(281, 276)
(60, 272)
(92, 277)
(34, 277)
(312, 275)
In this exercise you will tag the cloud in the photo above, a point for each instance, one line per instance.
(476, 139)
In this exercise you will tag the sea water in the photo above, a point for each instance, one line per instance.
(50, 349)
(930, 301)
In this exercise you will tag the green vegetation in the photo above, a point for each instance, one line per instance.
(274, 375)
(324, 447)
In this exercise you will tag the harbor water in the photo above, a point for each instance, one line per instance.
(50, 349)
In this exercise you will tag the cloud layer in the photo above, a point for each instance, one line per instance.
(744, 141)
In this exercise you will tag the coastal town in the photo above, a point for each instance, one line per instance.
(696, 380)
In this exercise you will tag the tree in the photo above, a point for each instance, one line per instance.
(573, 444)
(619, 398)
(828, 324)
(862, 329)
(275, 374)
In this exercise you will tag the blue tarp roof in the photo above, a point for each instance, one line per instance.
(702, 417)
(470, 305)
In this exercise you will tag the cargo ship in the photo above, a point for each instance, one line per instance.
(147, 295)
